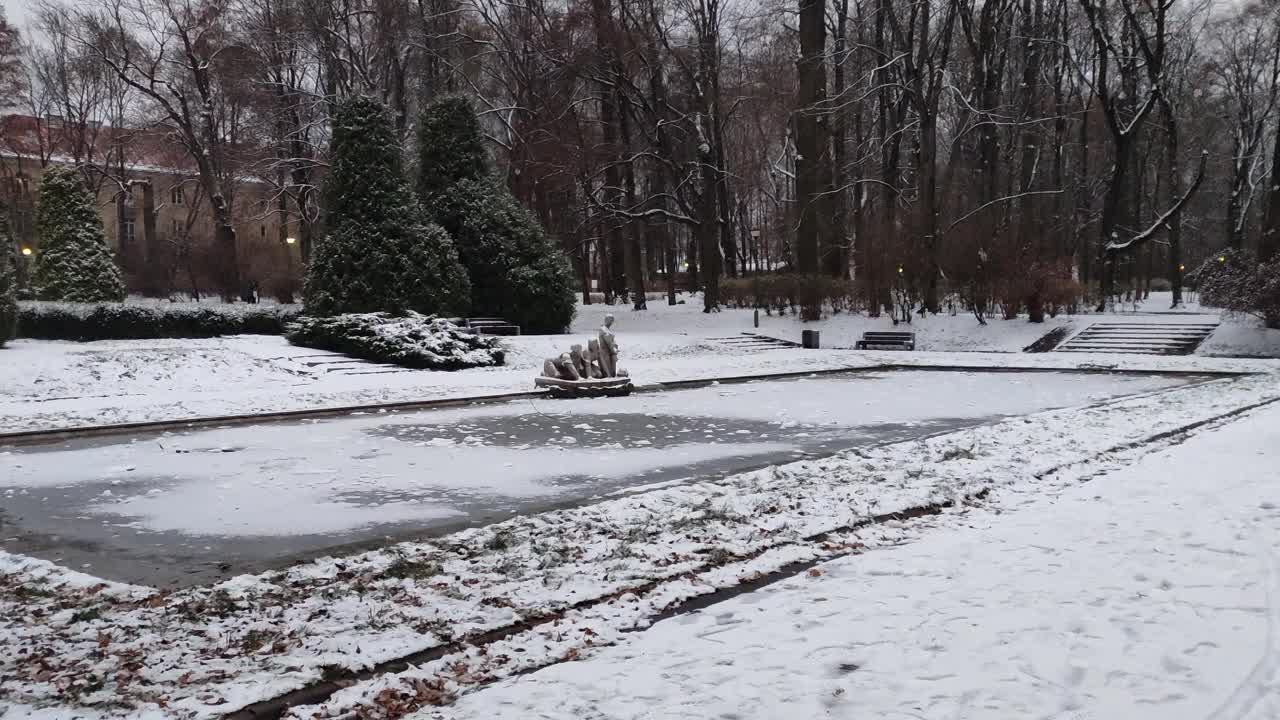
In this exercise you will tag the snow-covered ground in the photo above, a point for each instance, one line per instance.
(246, 497)
(943, 333)
(57, 384)
(1149, 592)
(45, 385)
(580, 576)
(918, 626)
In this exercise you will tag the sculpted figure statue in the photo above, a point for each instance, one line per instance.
(561, 368)
(608, 348)
(592, 356)
(579, 361)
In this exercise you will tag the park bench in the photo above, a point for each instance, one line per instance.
(486, 326)
(887, 341)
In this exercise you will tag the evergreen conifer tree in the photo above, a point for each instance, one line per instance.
(8, 281)
(516, 272)
(379, 252)
(73, 263)
(450, 146)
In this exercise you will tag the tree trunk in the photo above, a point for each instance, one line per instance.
(1175, 222)
(711, 158)
(728, 241)
(1109, 228)
(669, 250)
(1235, 199)
(691, 259)
(1269, 243)
(582, 259)
(836, 258)
(1081, 210)
(301, 178)
(635, 236)
(1029, 227)
(708, 236)
(225, 239)
(149, 252)
(811, 149)
(926, 167)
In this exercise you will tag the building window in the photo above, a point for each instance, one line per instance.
(127, 233)
(177, 196)
(19, 185)
(263, 229)
(22, 226)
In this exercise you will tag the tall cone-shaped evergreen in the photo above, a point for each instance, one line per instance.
(8, 281)
(73, 262)
(450, 147)
(380, 252)
(516, 271)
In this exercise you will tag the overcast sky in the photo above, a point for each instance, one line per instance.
(16, 10)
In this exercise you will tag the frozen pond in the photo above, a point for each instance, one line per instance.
(204, 505)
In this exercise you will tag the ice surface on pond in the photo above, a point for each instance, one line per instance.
(301, 487)
(861, 399)
(328, 477)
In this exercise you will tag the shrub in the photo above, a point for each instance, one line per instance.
(1160, 285)
(1038, 288)
(74, 263)
(380, 254)
(1236, 281)
(516, 272)
(116, 321)
(781, 292)
(412, 340)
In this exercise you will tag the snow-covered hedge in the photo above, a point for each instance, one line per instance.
(412, 340)
(118, 321)
(516, 272)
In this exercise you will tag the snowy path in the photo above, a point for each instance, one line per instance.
(1151, 592)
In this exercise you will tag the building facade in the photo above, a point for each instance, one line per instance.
(154, 209)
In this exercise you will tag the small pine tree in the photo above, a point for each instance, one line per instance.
(74, 262)
(8, 281)
(380, 253)
(516, 272)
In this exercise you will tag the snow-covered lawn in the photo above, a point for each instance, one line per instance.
(579, 576)
(943, 333)
(1151, 592)
(55, 384)
(46, 385)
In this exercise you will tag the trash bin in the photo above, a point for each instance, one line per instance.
(809, 339)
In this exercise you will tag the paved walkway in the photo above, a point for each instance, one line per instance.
(1153, 592)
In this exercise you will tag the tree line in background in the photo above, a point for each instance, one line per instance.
(1002, 156)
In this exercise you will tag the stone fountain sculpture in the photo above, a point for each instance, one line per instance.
(593, 371)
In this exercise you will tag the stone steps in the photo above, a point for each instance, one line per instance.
(751, 341)
(1139, 338)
